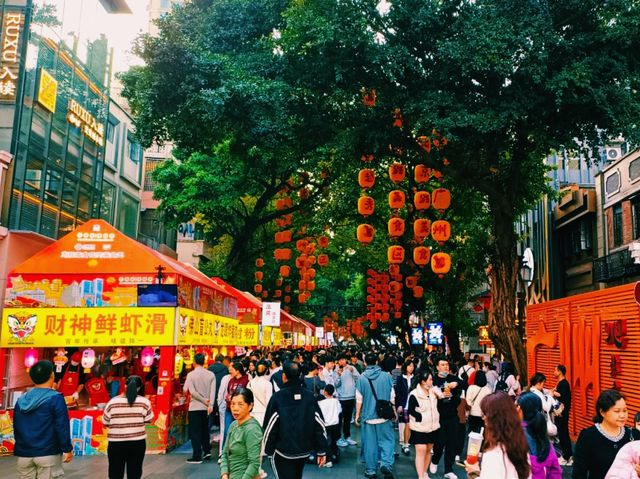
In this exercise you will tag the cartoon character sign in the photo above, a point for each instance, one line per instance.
(22, 326)
(183, 324)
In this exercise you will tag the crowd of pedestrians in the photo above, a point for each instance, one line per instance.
(296, 409)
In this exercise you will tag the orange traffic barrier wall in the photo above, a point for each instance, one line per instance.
(596, 336)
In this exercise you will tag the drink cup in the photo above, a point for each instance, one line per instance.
(473, 447)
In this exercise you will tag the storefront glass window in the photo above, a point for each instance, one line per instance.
(617, 225)
(128, 215)
(108, 197)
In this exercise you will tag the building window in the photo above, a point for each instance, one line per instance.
(617, 225)
(149, 167)
(612, 183)
(111, 128)
(635, 216)
(106, 205)
(134, 149)
(128, 215)
(634, 169)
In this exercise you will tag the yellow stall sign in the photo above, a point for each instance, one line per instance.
(197, 328)
(56, 327)
(249, 335)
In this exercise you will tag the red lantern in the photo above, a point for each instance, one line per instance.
(287, 299)
(259, 263)
(259, 275)
(421, 255)
(323, 241)
(394, 269)
(422, 200)
(301, 245)
(441, 199)
(282, 254)
(418, 291)
(369, 98)
(285, 271)
(397, 172)
(396, 199)
(397, 118)
(300, 261)
(440, 264)
(395, 254)
(287, 289)
(323, 260)
(440, 231)
(424, 142)
(366, 206)
(396, 227)
(277, 293)
(278, 281)
(395, 286)
(312, 273)
(257, 288)
(302, 298)
(421, 174)
(421, 229)
(411, 281)
(365, 233)
(302, 285)
(311, 285)
(366, 178)
(265, 294)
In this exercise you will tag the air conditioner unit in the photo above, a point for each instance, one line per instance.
(613, 153)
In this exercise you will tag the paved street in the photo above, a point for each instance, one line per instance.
(172, 466)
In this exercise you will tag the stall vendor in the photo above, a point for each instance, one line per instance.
(70, 382)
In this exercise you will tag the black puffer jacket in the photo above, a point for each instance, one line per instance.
(293, 424)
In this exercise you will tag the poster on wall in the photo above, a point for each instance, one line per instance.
(417, 336)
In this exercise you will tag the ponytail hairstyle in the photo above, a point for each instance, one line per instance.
(134, 386)
(531, 407)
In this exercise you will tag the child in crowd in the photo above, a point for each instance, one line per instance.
(331, 412)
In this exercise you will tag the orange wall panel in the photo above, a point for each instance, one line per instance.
(588, 333)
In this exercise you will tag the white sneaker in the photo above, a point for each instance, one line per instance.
(451, 475)
(457, 458)
(426, 476)
(328, 464)
(433, 468)
(570, 462)
(351, 442)
(342, 442)
(562, 461)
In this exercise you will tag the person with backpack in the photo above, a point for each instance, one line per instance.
(508, 382)
(537, 388)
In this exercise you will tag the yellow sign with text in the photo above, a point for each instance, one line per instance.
(197, 328)
(47, 90)
(271, 336)
(249, 335)
(57, 327)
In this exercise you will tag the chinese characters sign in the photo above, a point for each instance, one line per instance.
(435, 334)
(55, 327)
(271, 314)
(197, 328)
(12, 24)
(47, 90)
(81, 118)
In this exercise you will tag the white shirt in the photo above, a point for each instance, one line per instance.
(262, 391)
(331, 410)
(474, 396)
(496, 465)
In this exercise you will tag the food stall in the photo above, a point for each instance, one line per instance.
(102, 306)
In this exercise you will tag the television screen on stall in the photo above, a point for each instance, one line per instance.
(158, 295)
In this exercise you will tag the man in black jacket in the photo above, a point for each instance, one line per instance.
(293, 427)
(451, 387)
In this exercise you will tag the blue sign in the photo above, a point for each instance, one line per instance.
(417, 336)
(435, 334)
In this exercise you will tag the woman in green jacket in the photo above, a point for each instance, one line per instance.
(241, 453)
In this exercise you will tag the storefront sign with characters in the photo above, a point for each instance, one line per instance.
(12, 25)
(81, 118)
(198, 328)
(55, 327)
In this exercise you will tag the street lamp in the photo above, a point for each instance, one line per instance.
(525, 278)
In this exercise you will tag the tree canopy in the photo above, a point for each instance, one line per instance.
(256, 92)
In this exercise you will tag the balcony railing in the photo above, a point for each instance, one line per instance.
(614, 266)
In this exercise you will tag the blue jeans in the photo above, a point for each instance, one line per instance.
(228, 419)
(378, 442)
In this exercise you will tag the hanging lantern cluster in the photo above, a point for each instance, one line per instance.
(366, 204)
(283, 238)
(378, 297)
(438, 199)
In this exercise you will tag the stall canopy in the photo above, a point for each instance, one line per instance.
(97, 265)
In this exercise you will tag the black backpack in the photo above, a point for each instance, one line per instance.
(502, 385)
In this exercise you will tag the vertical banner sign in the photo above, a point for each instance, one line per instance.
(319, 332)
(271, 314)
(12, 24)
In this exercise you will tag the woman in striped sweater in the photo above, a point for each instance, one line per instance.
(126, 416)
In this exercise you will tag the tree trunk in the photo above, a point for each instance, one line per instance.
(504, 275)
(453, 339)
